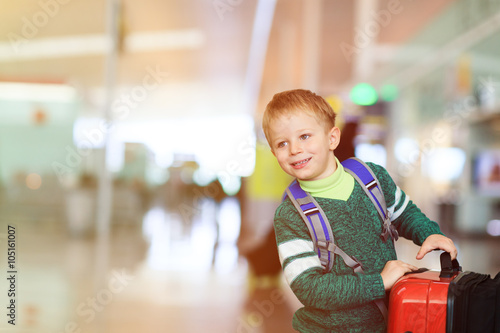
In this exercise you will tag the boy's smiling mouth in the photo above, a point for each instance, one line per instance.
(301, 163)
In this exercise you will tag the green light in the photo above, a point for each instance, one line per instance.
(389, 92)
(363, 94)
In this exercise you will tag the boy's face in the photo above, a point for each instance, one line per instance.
(302, 146)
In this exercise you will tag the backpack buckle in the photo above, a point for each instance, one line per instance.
(389, 231)
(358, 268)
(326, 245)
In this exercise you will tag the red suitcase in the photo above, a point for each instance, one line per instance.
(418, 301)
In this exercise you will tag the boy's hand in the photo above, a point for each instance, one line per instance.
(393, 270)
(436, 241)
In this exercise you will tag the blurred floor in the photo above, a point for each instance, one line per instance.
(159, 274)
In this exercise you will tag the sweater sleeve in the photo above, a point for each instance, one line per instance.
(302, 269)
(409, 220)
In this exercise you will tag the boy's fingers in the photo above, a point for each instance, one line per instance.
(453, 254)
(450, 249)
(422, 252)
(409, 268)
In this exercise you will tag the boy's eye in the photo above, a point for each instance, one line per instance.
(304, 136)
(281, 144)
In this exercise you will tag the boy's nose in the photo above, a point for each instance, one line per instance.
(295, 148)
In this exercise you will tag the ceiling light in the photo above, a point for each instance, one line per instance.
(363, 94)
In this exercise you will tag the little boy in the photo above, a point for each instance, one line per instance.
(300, 128)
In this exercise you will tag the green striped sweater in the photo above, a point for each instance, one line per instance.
(341, 301)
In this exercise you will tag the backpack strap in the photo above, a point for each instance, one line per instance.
(319, 228)
(316, 221)
(370, 184)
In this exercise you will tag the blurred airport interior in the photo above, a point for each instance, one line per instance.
(135, 177)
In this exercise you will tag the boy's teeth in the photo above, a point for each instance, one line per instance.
(301, 162)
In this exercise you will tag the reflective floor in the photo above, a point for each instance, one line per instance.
(159, 272)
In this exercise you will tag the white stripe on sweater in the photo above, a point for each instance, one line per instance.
(299, 266)
(293, 248)
(397, 197)
(401, 209)
(395, 214)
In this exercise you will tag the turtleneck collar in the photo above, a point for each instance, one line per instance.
(338, 185)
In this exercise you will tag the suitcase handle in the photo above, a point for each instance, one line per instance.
(448, 267)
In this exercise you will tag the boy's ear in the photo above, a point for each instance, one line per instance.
(334, 136)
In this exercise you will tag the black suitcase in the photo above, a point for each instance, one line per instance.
(474, 304)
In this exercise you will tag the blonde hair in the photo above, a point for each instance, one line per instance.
(298, 100)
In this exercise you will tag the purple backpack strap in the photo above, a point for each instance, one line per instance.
(370, 184)
(319, 228)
